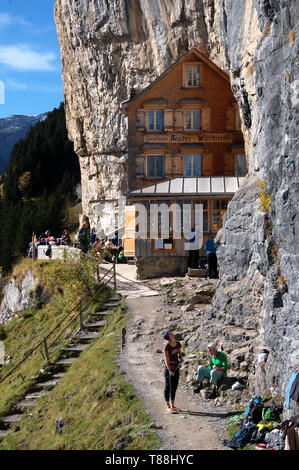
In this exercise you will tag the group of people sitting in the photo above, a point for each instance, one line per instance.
(214, 371)
(111, 249)
(46, 238)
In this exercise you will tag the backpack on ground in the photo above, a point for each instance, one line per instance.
(270, 414)
(255, 409)
(241, 438)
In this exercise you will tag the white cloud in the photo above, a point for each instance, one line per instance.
(22, 57)
(6, 19)
(15, 86)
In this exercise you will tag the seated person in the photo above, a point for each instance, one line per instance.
(65, 238)
(215, 372)
(51, 241)
(42, 239)
(97, 244)
(114, 247)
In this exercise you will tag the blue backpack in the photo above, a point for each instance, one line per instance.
(241, 437)
(255, 409)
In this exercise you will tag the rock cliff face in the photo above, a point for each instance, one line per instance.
(112, 49)
(17, 297)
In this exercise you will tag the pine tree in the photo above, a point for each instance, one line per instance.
(40, 181)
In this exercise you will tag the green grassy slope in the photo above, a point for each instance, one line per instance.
(97, 405)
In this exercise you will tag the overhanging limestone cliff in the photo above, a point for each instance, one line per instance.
(109, 49)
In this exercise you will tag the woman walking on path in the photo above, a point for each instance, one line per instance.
(173, 359)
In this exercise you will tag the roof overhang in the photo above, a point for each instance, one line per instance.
(200, 186)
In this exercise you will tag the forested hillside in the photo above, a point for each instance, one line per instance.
(38, 187)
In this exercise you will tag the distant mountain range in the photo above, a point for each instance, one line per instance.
(12, 129)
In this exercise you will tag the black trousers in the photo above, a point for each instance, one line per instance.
(193, 261)
(171, 384)
(212, 266)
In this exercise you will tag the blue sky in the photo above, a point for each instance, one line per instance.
(30, 65)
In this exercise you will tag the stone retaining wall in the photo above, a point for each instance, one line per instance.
(57, 252)
(150, 267)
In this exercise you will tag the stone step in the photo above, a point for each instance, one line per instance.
(99, 314)
(67, 361)
(112, 299)
(10, 419)
(88, 335)
(59, 375)
(78, 347)
(49, 383)
(4, 433)
(109, 305)
(95, 324)
(36, 395)
(25, 404)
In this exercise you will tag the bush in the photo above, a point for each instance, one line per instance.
(265, 198)
(3, 334)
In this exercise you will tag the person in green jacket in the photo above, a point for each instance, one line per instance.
(215, 372)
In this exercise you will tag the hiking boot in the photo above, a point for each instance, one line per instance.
(197, 389)
(214, 393)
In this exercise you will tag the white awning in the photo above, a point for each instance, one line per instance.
(200, 186)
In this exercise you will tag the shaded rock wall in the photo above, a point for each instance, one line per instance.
(112, 49)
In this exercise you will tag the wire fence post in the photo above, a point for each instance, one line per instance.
(114, 276)
(46, 350)
(33, 246)
(81, 314)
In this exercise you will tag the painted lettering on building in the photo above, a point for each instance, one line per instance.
(186, 138)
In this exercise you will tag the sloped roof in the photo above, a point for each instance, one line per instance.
(195, 51)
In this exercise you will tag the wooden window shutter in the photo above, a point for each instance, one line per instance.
(178, 165)
(207, 164)
(229, 166)
(168, 120)
(140, 120)
(206, 119)
(178, 119)
(139, 171)
(168, 165)
(130, 228)
(230, 119)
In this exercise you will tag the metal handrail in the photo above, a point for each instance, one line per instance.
(44, 340)
(81, 311)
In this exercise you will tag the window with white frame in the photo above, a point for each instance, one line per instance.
(192, 120)
(192, 164)
(155, 166)
(192, 75)
(155, 120)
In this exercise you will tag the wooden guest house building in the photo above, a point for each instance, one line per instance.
(185, 145)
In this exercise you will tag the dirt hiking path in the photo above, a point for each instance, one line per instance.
(200, 425)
